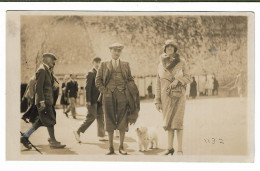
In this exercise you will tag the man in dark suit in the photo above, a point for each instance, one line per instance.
(111, 80)
(72, 92)
(44, 101)
(94, 108)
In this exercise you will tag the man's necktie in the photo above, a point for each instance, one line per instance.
(115, 64)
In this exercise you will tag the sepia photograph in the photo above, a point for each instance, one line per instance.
(130, 86)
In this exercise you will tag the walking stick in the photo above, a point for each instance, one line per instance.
(32, 144)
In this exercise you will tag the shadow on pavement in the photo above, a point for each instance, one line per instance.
(105, 145)
(27, 150)
(129, 139)
(152, 151)
(80, 119)
(45, 149)
(102, 144)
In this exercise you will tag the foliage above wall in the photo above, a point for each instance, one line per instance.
(210, 44)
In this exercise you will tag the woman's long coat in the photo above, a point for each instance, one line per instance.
(172, 108)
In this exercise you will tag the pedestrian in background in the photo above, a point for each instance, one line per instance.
(216, 85)
(240, 83)
(210, 85)
(72, 93)
(193, 88)
(64, 98)
(187, 92)
(150, 90)
(202, 85)
(94, 108)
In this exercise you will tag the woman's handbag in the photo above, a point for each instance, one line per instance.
(175, 92)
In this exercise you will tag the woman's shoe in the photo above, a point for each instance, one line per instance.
(171, 151)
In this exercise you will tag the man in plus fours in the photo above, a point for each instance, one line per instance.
(44, 101)
(111, 80)
(93, 106)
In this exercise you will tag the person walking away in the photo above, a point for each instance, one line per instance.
(64, 98)
(44, 101)
(193, 88)
(94, 108)
(72, 92)
(172, 77)
(111, 80)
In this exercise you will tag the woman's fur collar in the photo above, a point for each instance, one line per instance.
(169, 62)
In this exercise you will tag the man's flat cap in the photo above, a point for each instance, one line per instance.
(49, 55)
(116, 46)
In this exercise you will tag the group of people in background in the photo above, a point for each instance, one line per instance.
(208, 87)
(211, 86)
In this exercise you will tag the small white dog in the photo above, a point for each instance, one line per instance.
(146, 136)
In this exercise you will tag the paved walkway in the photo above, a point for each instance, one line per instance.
(211, 127)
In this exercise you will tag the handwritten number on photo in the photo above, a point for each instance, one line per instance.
(213, 141)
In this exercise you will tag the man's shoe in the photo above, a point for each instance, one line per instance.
(111, 151)
(77, 136)
(122, 151)
(56, 144)
(24, 119)
(103, 139)
(66, 114)
(49, 140)
(74, 117)
(25, 142)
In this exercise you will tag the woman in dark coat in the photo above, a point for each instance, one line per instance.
(193, 88)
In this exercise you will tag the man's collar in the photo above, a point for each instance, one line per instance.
(46, 65)
(95, 69)
(115, 60)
